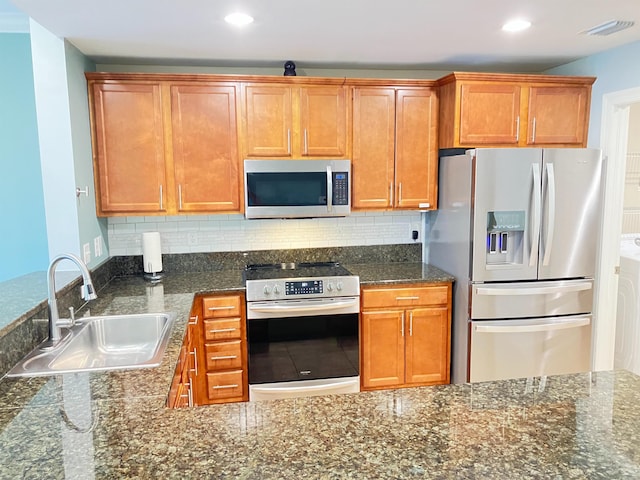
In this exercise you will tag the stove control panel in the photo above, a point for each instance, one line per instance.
(295, 288)
(303, 287)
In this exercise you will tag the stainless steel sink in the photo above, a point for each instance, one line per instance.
(103, 343)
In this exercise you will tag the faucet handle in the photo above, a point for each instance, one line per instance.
(72, 314)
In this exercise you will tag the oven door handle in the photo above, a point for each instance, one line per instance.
(298, 308)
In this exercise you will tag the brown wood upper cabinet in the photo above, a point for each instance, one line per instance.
(502, 110)
(295, 121)
(163, 145)
(395, 150)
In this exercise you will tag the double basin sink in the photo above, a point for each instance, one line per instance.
(102, 343)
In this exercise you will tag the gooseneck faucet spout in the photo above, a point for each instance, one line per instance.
(88, 293)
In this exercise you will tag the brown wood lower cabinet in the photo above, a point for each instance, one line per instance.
(212, 366)
(223, 349)
(405, 335)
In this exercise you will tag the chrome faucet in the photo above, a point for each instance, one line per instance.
(88, 293)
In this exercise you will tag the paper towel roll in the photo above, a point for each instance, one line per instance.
(151, 252)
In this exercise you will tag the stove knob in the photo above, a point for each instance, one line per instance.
(329, 287)
(266, 290)
(276, 290)
(339, 286)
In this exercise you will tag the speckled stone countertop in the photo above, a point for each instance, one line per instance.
(402, 272)
(114, 425)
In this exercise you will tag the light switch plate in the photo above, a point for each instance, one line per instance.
(86, 251)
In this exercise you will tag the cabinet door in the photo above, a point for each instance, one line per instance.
(558, 115)
(382, 349)
(489, 114)
(129, 147)
(205, 150)
(323, 121)
(428, 345)
(372, 166)
(416, 149)
(268, 121)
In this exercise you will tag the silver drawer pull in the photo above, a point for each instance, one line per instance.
(225, 357)
(220, 387)
(407, 298)
(224, 307)
(223, 330)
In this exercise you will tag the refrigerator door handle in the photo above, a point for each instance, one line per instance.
(542, 327)
(537, 207)
(574, 287)
(551, 197)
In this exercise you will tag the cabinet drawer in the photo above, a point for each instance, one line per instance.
(223, 329)
(216, 307)
(224, 385)
(224, 355)
(405, 297)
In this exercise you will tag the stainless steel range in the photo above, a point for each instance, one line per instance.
(302, 329)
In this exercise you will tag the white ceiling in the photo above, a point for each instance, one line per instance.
(398, 34)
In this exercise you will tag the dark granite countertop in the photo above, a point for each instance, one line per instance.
(401, 272)
(115, 425)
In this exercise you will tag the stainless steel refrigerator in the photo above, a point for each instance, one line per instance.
(519, 229)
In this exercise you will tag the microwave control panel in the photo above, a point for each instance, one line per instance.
(340, 188)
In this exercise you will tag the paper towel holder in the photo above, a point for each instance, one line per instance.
(153, 277)
(152, 257)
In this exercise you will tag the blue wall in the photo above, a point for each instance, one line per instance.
(23, 234)
(616, 69)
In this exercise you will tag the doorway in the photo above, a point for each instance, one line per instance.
(614, 142)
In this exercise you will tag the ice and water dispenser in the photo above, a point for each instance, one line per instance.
(505, 237)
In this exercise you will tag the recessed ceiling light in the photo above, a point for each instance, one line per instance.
(238, 19)
(516, 25)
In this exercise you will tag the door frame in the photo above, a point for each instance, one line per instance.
(614, 141)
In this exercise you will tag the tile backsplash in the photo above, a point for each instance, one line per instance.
(228, 233)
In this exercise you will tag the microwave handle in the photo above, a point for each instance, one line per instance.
(329, 189)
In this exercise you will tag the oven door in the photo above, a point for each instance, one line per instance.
(301, 350)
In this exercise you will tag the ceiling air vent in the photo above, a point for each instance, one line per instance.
(608, 28)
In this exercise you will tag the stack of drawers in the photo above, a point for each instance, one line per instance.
(224, 348)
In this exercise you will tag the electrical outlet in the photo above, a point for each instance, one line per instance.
(192, 238)
(86, 250)
(97, 246)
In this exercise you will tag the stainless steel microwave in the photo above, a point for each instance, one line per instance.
(297, 188)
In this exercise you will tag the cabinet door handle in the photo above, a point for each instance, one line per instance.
(402, 324)
(289, 141)
(193, 320)
(161, 198)
(195, 360)
(222, 330)
(179, 197)
(220, 387)
(306, 142)
(518, 128)
(391, 192)
(400, 194)
(224, 307)
(533, 133)
(190, 392)
(407, 298)
(411, 324)
(224, 357)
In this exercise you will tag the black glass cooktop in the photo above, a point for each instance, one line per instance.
(294, 270)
